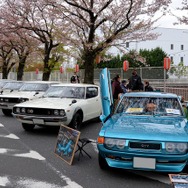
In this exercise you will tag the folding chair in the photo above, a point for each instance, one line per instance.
(82, 142)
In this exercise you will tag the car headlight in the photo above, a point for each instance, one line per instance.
(62, 112)
(109, 142)
(120, 144)
(176, 147)
(23, 110)
(182, 147)
(170, 147)
(17, 110)
(23, 99)
(56, 112)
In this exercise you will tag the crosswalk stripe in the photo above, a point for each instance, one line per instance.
(12, 136)
(30, 154)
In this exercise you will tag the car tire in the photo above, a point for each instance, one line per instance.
(7, 112)
(76, 121)
(102, 162)
(28, 127)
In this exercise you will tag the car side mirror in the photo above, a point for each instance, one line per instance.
(102, 118)
(73, 101)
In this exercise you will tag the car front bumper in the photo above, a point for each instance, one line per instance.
(42, 120)
(126, 160)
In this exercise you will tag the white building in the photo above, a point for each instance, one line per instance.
(172, 41)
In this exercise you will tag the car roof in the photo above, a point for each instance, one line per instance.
(151, 94)
(43, 82)
(76, 85)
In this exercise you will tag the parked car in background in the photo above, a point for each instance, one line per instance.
(11, 86)
(68, 104)
(148, 131)
(3, 82)
(28, 91)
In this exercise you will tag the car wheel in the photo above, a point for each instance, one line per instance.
(102, 162)
(28, 127)
(76, 121)
(7, 112)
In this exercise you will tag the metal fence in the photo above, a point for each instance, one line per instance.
(155, 75)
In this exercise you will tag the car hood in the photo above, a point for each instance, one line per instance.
(53, 103)
(24, 94)
(146, 128)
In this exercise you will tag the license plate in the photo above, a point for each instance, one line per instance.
(139, 162)
(38, 121)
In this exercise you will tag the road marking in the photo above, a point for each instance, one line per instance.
(69, 182)
(1, 125)
(154, 176)
(31, 154)
(4, 181)
(12, 136)
(7, 181)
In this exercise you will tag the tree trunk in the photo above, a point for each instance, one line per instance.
(46, 75)
(89, 68)
(46, 72)
(21, 69)
(5, 73)
(5, 70)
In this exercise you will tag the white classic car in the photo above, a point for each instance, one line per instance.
(68, 104)
(11, 86)
(28, 91)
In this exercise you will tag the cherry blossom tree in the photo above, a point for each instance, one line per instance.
(97, 25)
(41, 19)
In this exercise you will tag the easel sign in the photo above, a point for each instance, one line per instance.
(66, 143)
(179, 180)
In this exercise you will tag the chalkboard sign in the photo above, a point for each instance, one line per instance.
(179, 180)
(66, 143)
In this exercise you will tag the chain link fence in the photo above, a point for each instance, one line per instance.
(155, 75)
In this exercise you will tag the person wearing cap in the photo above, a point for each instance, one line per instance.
(135, 82)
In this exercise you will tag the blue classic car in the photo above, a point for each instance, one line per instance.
(147, 131)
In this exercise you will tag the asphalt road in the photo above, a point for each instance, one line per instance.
(27, 160)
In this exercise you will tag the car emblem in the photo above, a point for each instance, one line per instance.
(145, 146)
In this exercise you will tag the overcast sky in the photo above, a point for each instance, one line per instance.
(168, 21)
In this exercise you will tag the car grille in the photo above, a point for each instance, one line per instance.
(144, 145)
(39, 111)
(10, 100)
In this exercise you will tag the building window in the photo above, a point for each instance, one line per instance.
(181, 59)
(127, 44)
(171, 46)
(182, 47)
(171, 58)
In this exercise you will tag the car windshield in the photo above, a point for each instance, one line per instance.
(3, 83)
(65, 92)
(150, 106)
(13, 85)
(34, 87)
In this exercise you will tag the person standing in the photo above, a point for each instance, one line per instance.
(135, 82)
(116, 90)
(75, 78)
(124, 86)
(147, 86)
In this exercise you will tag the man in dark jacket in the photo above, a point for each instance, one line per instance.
(135, 82)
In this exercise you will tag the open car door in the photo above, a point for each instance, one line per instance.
(106, 94)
